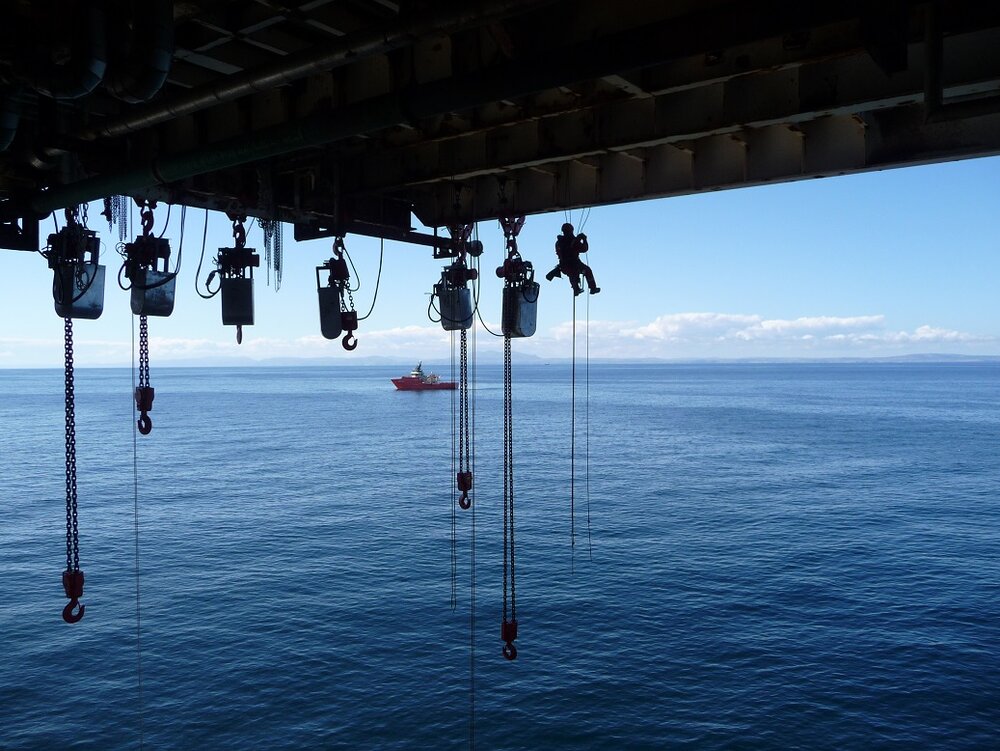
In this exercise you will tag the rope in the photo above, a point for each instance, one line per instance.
(135, 526)
(572, 443)
(378, 279)
(201, 260)
(590, 549)
(472, 575)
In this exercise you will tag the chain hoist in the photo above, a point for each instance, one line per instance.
(234, 267)
(454, 301)
(77, 292)
(518, 316)
(152, 294)
(337, 314)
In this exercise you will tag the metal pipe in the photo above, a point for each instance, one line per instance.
(85, 73)
(297, 66)
(141, 75)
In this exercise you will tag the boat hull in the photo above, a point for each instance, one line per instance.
(406, 383)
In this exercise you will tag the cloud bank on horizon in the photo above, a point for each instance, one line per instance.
(669, 336)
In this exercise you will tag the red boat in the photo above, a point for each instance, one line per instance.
(418, 381)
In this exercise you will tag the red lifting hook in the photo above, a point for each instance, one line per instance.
(73, 585)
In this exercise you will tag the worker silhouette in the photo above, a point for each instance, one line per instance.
(568, 250)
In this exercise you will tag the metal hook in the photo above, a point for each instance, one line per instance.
(510, 651)
(68, 615)
(349, 341)
(465, 502)
(145, 424)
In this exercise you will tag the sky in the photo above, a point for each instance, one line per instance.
(879, 264)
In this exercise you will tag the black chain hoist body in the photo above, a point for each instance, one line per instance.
(152, 294)
(73, 254)
(235, 266)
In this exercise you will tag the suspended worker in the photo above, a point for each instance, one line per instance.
(568, 249)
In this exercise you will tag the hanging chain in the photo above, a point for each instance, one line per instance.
(72, 577)
(72, 531)
(464, 476)
(143, 352)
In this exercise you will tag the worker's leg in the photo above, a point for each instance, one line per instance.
(589, 274)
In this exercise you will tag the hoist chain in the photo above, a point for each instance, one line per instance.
(72, 576)
(146, 218)
(72, 534)
(464, 476)
(513, 272)
(143, 351)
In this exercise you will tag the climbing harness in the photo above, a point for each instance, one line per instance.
(152, 293)
(234, 267)
(518, 317)
(77, 292)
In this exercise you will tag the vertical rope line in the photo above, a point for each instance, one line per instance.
(572, 441)
(135, 531)
(472, 572)
(590, 548)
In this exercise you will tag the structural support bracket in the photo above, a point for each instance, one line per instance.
(19, 234)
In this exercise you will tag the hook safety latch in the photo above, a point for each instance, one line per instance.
(464, 480)
(508, 633)
(144, 403)
(73, 585)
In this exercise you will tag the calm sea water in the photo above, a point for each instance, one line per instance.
(783, 556)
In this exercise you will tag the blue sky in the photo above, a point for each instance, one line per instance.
(897, 262)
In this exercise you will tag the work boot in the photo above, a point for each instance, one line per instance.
(577, 290)
(594, 290)
(551, 275)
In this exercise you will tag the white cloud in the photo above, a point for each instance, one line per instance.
(674, 335)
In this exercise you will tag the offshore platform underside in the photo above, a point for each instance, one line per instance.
(356, 115)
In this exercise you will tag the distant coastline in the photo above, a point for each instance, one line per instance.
(490, 358)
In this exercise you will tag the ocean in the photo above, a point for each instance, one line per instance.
(767, 556)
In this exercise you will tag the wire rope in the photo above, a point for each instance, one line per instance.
(201, 260)
(378, 279)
